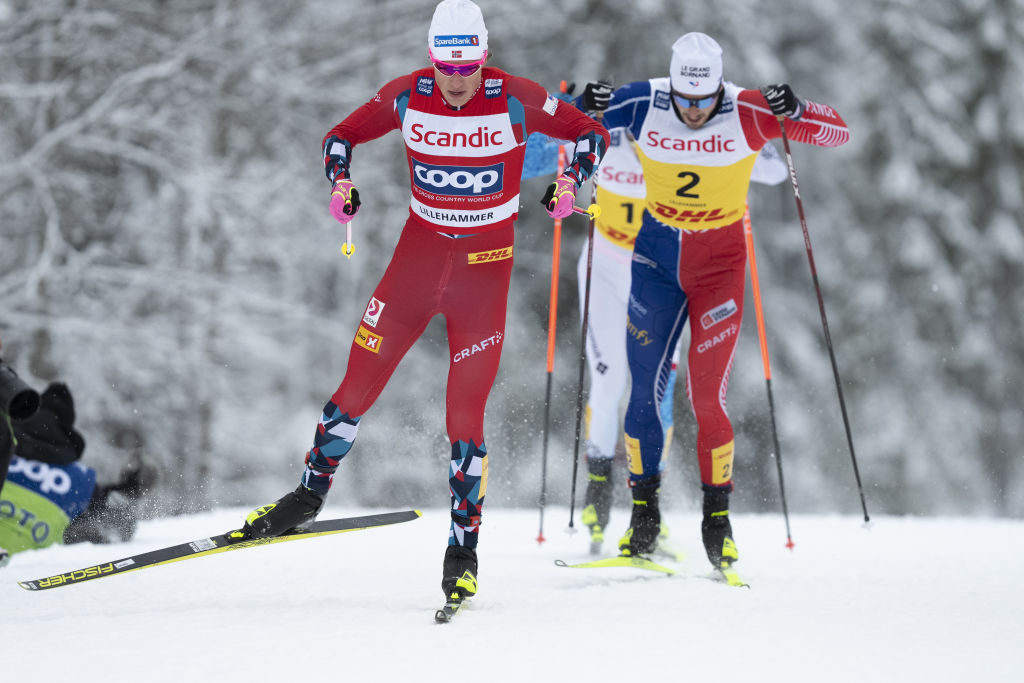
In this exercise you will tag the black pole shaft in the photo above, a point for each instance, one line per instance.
(762, 333)
(821, 308)
(544, 459)
(556, 254)
(778, 461)
(583, 363)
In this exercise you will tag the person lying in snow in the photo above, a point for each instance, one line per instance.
(48, 496)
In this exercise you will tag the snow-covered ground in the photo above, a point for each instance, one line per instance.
(909, 599)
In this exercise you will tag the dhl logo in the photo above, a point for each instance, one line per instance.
(368, 340)
(620, 237)
(668, 213)
(77, 575)
(489, 256)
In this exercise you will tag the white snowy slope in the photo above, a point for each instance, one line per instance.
(909, 599)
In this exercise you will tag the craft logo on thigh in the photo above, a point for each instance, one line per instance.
(487, 343)
(724, 335)
(373, 311)
(368, 340)
(489, 256)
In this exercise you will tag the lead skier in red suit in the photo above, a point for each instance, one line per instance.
(465, 127)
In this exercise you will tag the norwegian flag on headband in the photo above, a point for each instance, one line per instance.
(456, 54)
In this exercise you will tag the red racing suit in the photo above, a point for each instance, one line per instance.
(454, 256)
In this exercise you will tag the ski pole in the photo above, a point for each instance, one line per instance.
(594, 211)
(748, 232)
(348, 248)
(556, 248)
(583, 363)
(821, 308)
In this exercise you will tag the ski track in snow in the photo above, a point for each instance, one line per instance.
(909, 599)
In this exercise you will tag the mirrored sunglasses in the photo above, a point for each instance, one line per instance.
(463, 70)
(699, 102)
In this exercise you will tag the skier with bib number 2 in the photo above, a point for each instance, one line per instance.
(697, 138)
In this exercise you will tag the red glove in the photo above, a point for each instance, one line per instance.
(559, 197)
(344, 201)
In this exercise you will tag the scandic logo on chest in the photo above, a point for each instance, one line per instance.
(479, 138)
(715, 144)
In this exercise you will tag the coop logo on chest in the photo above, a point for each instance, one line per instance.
(425, 85)
(460, 181)
(492, 87)
(373, 311)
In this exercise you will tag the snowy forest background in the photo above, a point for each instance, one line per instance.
(165, 245)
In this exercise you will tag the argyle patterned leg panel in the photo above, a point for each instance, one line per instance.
(467, 480)
(334, 437)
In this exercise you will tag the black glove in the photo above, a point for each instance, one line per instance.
(782, 101)
(597, 95)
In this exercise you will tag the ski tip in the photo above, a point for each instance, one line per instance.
(561, 563)
(445, 614)
(417, 513)
(730, 577)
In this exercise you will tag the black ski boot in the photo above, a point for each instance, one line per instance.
(644, 526)
(716, 529)
(459, 573)
(597, 503)
(296, 510)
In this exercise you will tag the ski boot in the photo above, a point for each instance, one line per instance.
(645, 524)
(296, 510)
(716, 530)
(459, 573)
(458, 580)
(597, 502)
